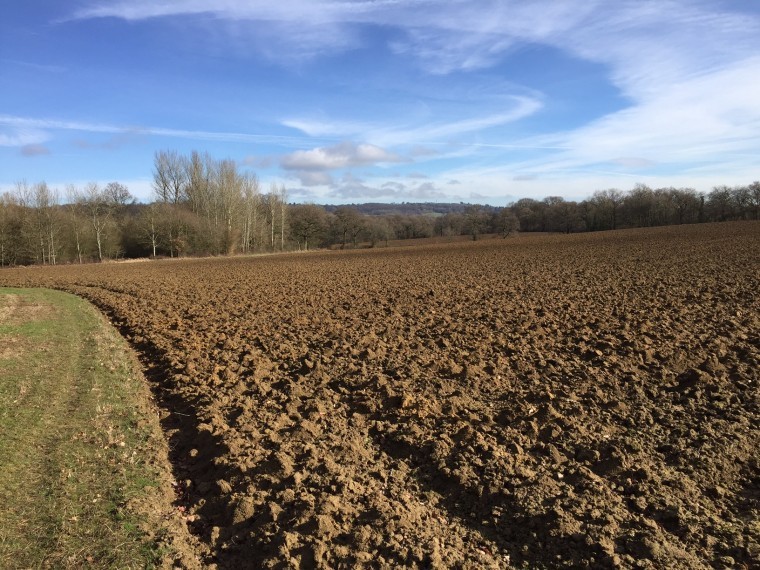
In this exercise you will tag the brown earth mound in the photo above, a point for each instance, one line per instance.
(583, 401)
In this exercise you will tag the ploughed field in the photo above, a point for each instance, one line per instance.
(583, 400)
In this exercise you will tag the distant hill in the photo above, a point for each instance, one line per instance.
(408, 208)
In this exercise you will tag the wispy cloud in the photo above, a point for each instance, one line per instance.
(47, 68)
(30, 130)
(698, 120)
(643, 41)
(422, 133)
(686, 72)
(442, 35)
(515, 108)
(22, 136)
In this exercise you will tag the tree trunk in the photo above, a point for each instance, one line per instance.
(100, 249)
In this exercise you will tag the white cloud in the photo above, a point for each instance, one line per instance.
(310, 178)
(343, 155)
(426, 191)
(699, 120)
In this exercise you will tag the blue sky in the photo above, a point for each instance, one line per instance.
(385, 100)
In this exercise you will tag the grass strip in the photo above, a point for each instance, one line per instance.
(84, 478)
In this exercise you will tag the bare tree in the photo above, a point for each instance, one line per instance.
(230, 188)
(742, 198)
(720, 203)
(639, 206)
(11, 229)
(271, 209)
(47, 222)
(150, 225)
(476, 221)
(118, 194)
(98, 210)
(282, 195)
(307, 224)
(506, 222)
(170, 176)
(607, 204)
(199, 169)
(251, 195)
(449, 225)
(378, 229)
(349, 224)
(77, 220)
(754, 198)
(685, 204)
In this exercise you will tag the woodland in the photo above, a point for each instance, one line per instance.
(204, 206)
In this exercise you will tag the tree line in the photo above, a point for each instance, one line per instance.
(205, 206)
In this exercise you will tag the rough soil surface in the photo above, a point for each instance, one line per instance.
(582, 401)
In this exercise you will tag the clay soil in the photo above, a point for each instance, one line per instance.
(584, 401)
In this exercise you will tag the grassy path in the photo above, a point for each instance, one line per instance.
(84, 479)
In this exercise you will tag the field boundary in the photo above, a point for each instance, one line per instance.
(86, 480)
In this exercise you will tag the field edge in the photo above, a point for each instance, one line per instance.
(94, 482)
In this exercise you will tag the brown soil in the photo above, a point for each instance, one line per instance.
(584, 401)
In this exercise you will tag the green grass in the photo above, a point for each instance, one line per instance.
(78, 441)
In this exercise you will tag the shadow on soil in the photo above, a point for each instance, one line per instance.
(193, 448)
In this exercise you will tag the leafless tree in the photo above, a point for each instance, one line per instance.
(685, 204)
(506, 222)
(11, 229)
(475, 220)
(307, 224)
(754, 198)
(99, 211)
(349, 224)
(118, 194)
(77, 220)
(251, 198)
(228, 201)
(378, 230)
(170, 177)
(720, 203)
(46, 221)
(608, 203)
(282, 196)
(271, 202)
(150, 225)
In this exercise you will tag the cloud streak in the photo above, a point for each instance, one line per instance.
(425, 132)
(30, 130)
